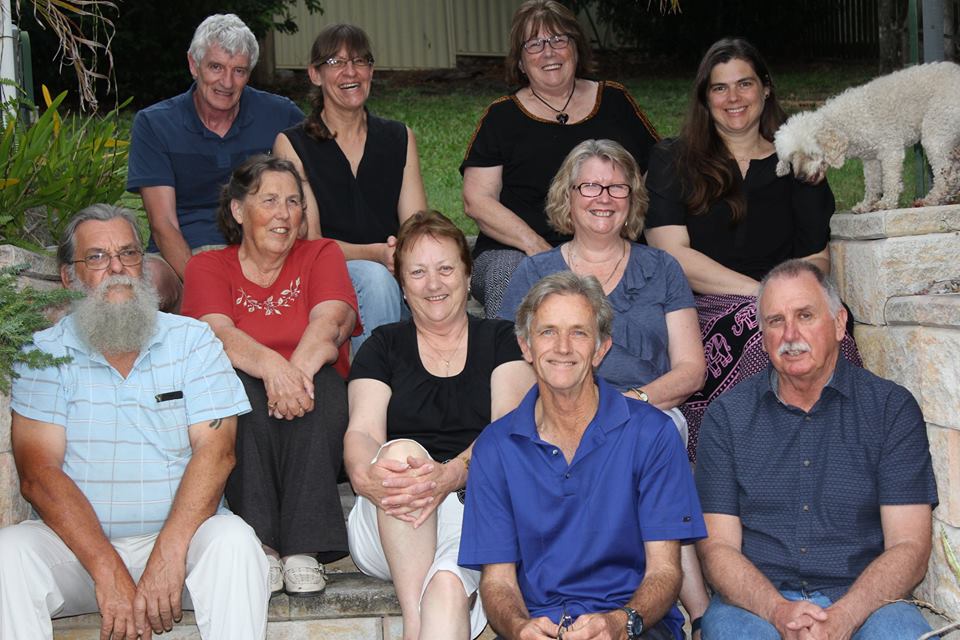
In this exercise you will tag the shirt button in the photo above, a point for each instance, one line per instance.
(554, 452)
(566, 475)
(803, 583)
(803, 549)
(806, 507)
(807, 418)
(806, 463)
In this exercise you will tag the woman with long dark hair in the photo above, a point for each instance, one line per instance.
(717, 205)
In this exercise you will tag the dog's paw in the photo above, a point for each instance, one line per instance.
(863, 207)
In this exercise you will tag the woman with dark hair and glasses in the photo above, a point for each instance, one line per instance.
(717, 205)
(283, 308)
(361, 172)
(522, 139)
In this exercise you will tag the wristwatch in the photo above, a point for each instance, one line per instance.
(641, 394)
(634, 623)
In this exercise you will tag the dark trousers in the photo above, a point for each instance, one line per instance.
(285, 481)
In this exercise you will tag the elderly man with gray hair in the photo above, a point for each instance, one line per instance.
(816, 484)
(578, 501)
(123, 452)
(184, 149)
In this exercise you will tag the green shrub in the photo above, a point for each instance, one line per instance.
(21, 314)
(54, 167)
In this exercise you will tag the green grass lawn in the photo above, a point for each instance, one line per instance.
(443, 117)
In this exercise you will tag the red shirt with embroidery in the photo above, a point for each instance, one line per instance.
(275, 316)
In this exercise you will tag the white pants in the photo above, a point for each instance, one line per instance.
(226, 584)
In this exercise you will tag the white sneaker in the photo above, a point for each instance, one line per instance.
(303, 576)
(275, 575)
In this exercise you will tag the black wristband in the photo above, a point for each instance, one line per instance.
(695, 625)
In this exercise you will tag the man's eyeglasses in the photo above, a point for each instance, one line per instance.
(592, 190)
(101, 259)
(559, 41)
(340, 63)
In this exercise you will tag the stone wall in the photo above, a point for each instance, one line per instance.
(40, 274)
(899, 271)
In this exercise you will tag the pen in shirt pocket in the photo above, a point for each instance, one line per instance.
(169, 395)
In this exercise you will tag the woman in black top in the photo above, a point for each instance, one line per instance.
(420, 392)
(717, 205)
(522, 139)
(361, 172)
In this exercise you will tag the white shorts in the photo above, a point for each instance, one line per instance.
(367, 552)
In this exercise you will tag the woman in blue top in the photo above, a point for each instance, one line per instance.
(599, 198)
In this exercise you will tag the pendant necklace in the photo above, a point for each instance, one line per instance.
(562, 116)
(438, 353)
(623, 253)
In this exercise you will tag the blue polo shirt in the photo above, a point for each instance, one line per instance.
(127, 439)
(577, 531)
(171, 147)
(808, 487)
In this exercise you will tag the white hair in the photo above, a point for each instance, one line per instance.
(228, 32)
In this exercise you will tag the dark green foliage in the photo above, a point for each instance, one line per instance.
(21, 315)
(151, 41)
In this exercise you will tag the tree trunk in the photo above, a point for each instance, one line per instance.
(7, 53)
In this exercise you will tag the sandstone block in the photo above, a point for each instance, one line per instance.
(940, 376)
(13, 508)
(896, 222)
(877, 270)
(929, 311)
(945, 452)
(4, 423)
(941, 587)
(893, 353)
(342, 629)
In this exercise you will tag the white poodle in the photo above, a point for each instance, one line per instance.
(875, 122)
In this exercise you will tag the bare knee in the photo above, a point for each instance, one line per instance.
(401, 450)
(446, 584)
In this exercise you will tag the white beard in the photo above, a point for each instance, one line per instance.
(117, 327)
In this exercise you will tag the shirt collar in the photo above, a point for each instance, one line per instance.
(611, 412)
(840, 380)
(73, 341)
(193, 123)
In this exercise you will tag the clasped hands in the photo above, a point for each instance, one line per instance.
(411, 490)
(804, 620)
(289, 390)
(591, 626)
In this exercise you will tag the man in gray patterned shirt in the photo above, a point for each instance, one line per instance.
(816, 484)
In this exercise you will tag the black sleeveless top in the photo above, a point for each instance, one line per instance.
(361, 209)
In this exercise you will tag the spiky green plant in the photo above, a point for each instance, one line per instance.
(21, 315)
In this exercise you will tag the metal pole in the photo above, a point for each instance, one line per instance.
(7, 57)
(933, 30)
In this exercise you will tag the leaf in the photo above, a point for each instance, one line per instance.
(7, 182)
(950, 556)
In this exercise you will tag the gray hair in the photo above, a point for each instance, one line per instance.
(102, 212)
(565, 283)
(795, 268)
(228, 32)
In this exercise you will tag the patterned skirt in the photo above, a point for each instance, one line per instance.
(734, 351)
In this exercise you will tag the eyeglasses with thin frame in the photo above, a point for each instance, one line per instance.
(101, 259)
(359, 62)
(559, 41)
(592, 190)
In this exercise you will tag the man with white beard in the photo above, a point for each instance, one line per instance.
(123, 452)
(816, 484)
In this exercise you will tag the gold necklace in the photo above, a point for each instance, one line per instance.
(623, 253)
(439, 353)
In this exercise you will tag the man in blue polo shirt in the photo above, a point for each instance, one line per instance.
(123, 452)
(816, 484)
(184, 149)
(578, 501)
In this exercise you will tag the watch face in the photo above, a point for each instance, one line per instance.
(634, 624)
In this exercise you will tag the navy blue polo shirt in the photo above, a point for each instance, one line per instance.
(577, 531)
(808, 487)
(171, 147)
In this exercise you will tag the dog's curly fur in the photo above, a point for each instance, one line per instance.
(875, 122)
